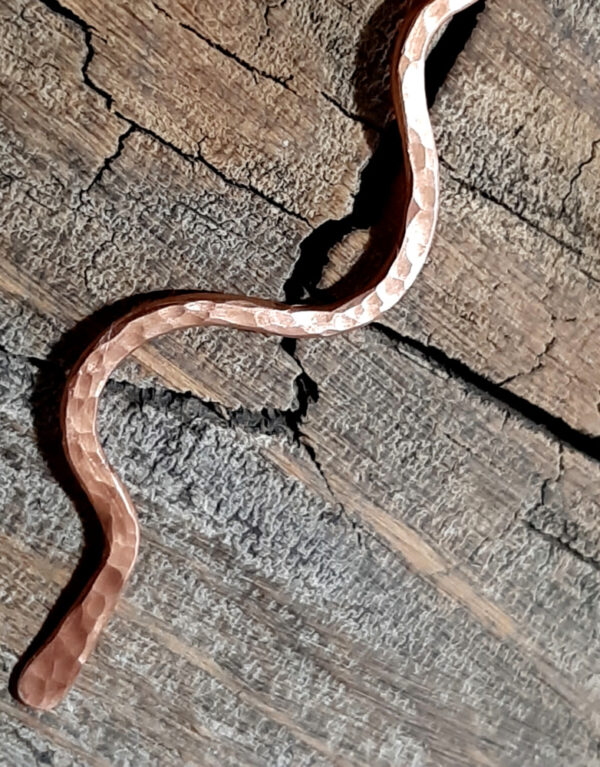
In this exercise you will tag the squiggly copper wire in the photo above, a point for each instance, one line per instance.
(49, 674)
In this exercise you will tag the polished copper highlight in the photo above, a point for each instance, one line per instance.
(47, 677)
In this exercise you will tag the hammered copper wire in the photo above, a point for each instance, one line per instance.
(50, 673)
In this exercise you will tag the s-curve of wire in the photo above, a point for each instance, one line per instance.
(51, 671)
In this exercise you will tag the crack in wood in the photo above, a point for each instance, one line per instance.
(577, 175)
(108, 161)
(67, 13)
(61, 10)
(484, 387)
(283, 81)
(537, 365)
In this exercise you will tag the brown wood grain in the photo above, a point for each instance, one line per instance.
(381, 549)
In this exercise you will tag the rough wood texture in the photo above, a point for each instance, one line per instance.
(382, 549)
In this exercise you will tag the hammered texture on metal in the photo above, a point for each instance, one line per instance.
(50, 673)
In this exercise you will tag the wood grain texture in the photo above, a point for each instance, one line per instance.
(361, 551)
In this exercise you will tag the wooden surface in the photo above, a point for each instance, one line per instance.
(380, 549)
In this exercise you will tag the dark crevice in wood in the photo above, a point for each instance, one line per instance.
(533, 414)
(453, 173)
(374, 191)
(577, 175)
(159, 9)
(570, 533)
(199, 158)
(55, 6)
(443, 57)
(108, 161)
(537, 365)
(267, 23)
(352, 115)
(564, 543)
(67, 13)
(283, 81)
(307, 392)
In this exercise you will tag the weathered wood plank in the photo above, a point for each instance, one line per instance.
(270, 136)
(262, 626)
(477, 482)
